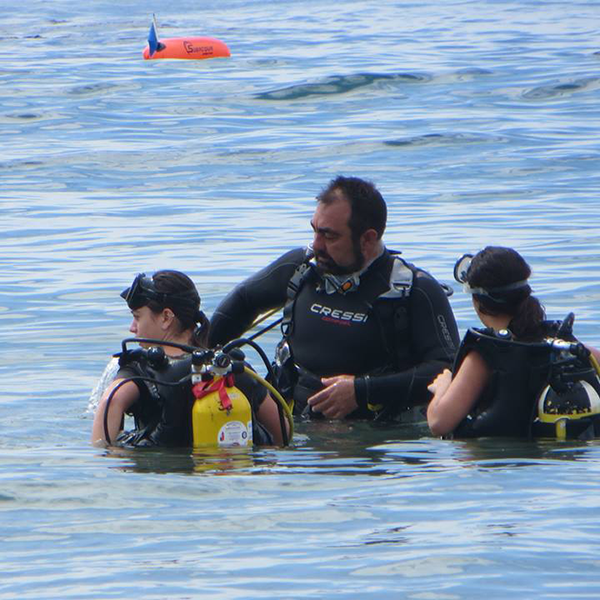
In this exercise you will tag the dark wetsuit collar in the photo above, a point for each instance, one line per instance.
(343, 284)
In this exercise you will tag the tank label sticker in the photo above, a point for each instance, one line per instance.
(233, 433)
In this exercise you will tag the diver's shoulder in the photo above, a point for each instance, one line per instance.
(293, 257)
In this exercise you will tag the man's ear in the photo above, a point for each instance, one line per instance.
(368, 240)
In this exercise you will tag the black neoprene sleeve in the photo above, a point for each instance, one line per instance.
(434, 340)
(261, 292)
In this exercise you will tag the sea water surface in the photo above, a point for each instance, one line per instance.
(478, 120)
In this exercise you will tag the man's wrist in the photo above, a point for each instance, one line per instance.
(362, 387)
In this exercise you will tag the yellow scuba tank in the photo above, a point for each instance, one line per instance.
(221, 415)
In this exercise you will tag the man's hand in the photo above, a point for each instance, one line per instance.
(337, 400)
(441, 383)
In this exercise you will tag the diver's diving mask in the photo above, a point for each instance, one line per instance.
(143, 290)
(461, 268)
(461, 274)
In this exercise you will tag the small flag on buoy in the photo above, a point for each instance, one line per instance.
(153, 37)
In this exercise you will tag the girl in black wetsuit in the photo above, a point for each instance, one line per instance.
(166, 307)
(488, 393)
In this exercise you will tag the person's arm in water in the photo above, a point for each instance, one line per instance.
(261, 292)
(454, 398)
(268, 415)
(434, 340)
(122, 400)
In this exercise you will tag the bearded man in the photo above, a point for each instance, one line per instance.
(364, 331)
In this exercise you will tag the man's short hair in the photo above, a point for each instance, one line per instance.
(368, 208)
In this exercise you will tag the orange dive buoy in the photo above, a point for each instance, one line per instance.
(194, 48)
(190, 47)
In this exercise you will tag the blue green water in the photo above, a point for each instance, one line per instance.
(477, 120)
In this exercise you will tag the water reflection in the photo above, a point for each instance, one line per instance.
(358, 448)
(326, 447)
(217, 461)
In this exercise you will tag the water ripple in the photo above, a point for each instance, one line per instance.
(92, 89)
(340, 84)
(442, 139)
(558, 90)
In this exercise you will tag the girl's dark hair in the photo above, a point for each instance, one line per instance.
(183, 299)
(494, 267)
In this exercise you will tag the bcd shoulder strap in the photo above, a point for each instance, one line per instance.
(392, 308)
(296, 281)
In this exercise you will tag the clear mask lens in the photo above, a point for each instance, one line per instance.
(137, 295)
(461, 268)
(143, 290)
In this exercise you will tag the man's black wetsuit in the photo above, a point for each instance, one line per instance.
(395, 348)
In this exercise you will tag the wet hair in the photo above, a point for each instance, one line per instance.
(367, 206)
(187, 310)
(494, 267)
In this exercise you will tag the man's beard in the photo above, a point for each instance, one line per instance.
(326, 264)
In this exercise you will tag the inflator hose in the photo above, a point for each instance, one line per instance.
(280, 400)
(262, 318)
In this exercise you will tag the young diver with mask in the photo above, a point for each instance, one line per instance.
(522, 375)
(153, 383)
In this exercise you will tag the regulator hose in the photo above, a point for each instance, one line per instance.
(184, 347)
(283, 406)
(243, 341)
